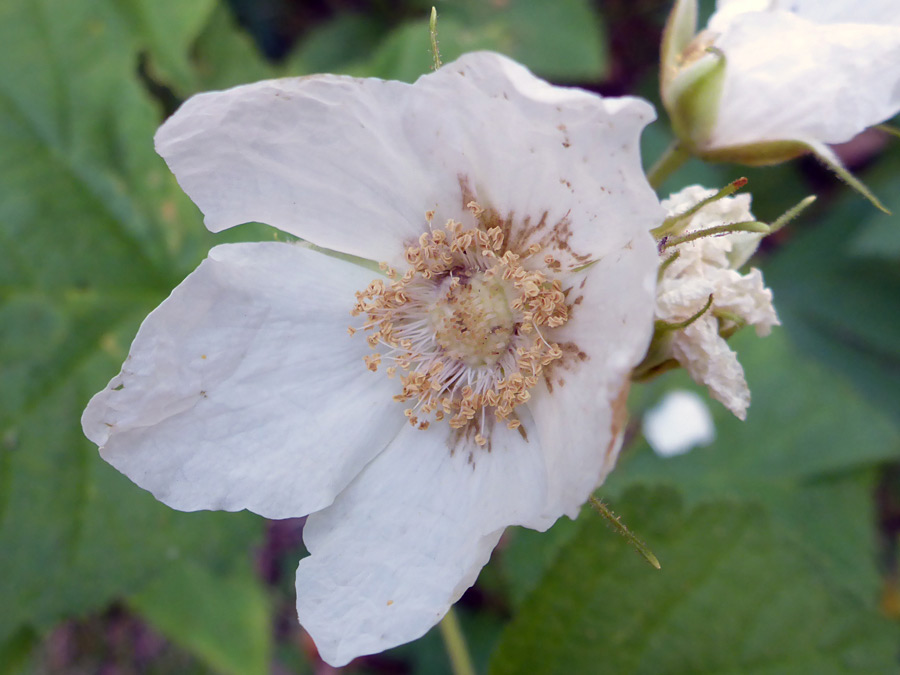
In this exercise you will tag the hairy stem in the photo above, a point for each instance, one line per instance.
(617, 524)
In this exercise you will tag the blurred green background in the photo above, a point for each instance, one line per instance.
(778, 542)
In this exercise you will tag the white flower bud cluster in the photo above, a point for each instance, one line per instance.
(709, 267)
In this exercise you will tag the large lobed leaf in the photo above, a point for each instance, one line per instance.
(224, 619)
(804, 454)
(733, 596)
(837, 284)
(93, 233)
(560, 39)
(796, 482)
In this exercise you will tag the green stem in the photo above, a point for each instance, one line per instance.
(728, 228)
(619, 527)
(671, 160)
(791, 213)
(888, 129)
(675, 224)
(455, 642)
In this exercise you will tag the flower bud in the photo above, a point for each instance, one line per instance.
(763, 84)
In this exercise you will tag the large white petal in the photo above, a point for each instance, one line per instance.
(560, 164)
(410, 534)
(728, 10)
(244, 390)
(883, 12)
(579, 405)
(788, 78)
(326, 158)
(354, 165)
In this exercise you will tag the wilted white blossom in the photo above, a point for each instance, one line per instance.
(708, 267)
(475, 380)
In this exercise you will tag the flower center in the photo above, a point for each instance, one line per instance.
(463, 325)
(472, 319)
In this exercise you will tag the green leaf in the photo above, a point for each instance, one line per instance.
(224, 56)
(224, 620)
(76, 534)
(405, 54)
(558, 39)
(879, 236)
(94, 232)
(841, 307)
(804, 423)
(339, 45)
(734, 596)
(804, 454)
(527, 554)
(14, 652)
(166, 29)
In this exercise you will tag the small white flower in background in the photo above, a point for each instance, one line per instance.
(708, 267)
(678, 423)
(517, 293)
(784, 76)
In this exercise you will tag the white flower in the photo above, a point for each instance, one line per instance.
(797, 74)
(680, 422)
(708, 267)
(243, 390)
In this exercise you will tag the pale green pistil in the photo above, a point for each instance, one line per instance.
(472, 319)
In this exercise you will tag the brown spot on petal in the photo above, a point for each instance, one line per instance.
(572, 355)
(520, 233)
(472, 436)
(572, 303)
(620, 417)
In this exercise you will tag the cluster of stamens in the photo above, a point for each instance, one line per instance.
(462, 326)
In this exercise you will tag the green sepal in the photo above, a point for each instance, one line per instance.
(692, 98)
(728, 228)
(889, 129)
(681, 25)
(765, 153)
(658, 359)
(729, 323)
(833, 162)
(676, 224)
